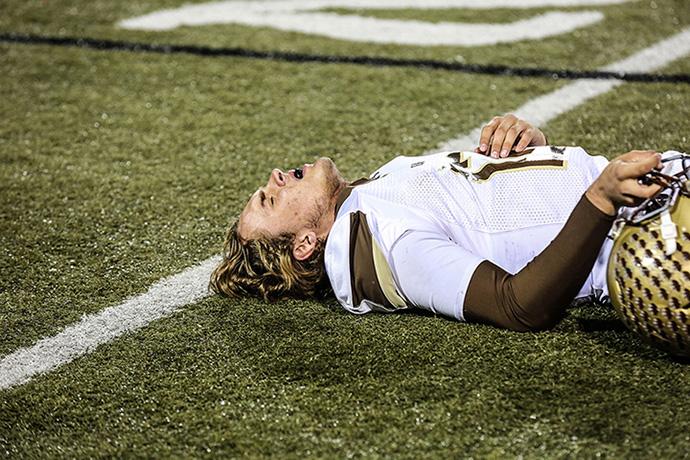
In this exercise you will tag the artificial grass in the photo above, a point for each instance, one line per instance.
(631, 117)
(123, 168)
(120, 168)
(299, 379)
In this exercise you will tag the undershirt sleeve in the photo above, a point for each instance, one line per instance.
(535, 298)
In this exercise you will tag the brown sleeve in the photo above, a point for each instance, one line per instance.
(535, 298)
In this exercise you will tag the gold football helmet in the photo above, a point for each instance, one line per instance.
(648, 272)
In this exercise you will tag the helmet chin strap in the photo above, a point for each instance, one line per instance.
(668, 232)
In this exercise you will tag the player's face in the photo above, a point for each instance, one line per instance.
(288, 203)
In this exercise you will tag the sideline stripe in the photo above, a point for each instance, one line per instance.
(373, 61)
(545, 108)
(170, 294)
(162, 299)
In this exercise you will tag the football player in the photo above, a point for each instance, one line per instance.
(507, 235)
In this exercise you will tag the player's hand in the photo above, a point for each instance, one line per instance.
(619, 185)
(508, 133)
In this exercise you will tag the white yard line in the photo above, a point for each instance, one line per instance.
(170, 294)
(163, 298)
(549, 106)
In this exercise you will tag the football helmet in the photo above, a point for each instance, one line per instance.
(648, 273)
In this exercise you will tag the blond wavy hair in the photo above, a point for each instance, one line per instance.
(265, 268)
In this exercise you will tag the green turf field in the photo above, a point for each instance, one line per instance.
(120, 168)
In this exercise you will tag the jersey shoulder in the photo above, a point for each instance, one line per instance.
(357, 255)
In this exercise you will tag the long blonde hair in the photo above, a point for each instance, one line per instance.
(265, 268)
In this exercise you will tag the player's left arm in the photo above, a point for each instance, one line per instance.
(508, 133)
(534, 299)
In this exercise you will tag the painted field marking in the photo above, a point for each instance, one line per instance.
(162, 299)
(171, 294)
(545, 108)
(300, 16)
(362, 60)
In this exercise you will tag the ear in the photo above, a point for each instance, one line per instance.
(304, 245)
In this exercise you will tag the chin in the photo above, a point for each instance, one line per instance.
(327, 166)
(330, 174)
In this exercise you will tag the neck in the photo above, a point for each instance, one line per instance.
(328, 217)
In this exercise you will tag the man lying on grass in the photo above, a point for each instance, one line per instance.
(508, 239)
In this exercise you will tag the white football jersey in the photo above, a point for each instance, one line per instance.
(414, 234)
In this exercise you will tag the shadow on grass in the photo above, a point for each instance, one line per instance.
(600, 324)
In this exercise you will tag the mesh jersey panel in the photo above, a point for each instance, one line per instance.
(506, 201)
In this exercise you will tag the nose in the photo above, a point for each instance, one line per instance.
(278, 177)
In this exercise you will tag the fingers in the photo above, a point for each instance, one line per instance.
(499, 137)
(637, 163)
(632, 188)
(508, 133)
(487, 133)
(636, 155)
(525, 140)
(511, 136)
